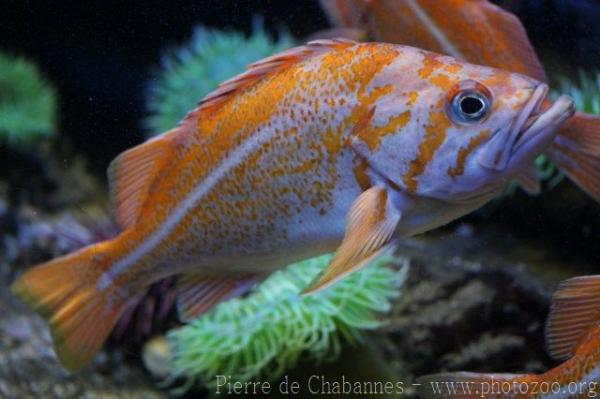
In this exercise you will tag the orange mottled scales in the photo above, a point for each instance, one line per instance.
(335, 144)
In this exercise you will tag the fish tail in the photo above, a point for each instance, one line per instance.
(464, 385)
(64, 291)
(576, 151)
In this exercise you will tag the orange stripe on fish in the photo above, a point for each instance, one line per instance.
(430, 65)
(372, 135)
(464, 152)
(412, 98)
(434, 135)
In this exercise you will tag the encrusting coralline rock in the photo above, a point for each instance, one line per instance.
(469, 305)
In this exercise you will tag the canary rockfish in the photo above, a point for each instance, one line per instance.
(334, 144)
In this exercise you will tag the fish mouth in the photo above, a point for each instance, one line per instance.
(539, 130)
(529, 115)
(534, 123)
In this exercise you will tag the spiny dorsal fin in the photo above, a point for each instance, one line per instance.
(575, 307)
(258, 70)
(131, 174)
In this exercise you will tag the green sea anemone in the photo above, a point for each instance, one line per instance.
(263, 335)
(190, 72)
(27, 103)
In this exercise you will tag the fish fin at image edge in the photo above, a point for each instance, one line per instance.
(576, 151)
(575, 308)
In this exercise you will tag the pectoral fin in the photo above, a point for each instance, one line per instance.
(576, 152)
(370, 227)
(199, 292)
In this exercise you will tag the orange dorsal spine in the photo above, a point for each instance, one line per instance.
(258, 71)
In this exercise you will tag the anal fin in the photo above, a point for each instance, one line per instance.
(199, 292)
(372, 221)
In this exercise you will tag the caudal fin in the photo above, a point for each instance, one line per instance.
(576, 151)
(64, 292)
(464, 385)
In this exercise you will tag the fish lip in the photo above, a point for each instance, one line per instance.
(530, 113)
(562, 109)
(540, 133)
(535, 103)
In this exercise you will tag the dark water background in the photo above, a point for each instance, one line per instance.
(99, 53)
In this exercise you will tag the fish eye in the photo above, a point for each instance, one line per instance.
(470, 104)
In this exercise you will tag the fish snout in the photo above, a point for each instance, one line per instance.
(537, 135)
(504, 140)
(546, 119)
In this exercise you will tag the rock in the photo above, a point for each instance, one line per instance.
(475, 300)
(157, 357)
